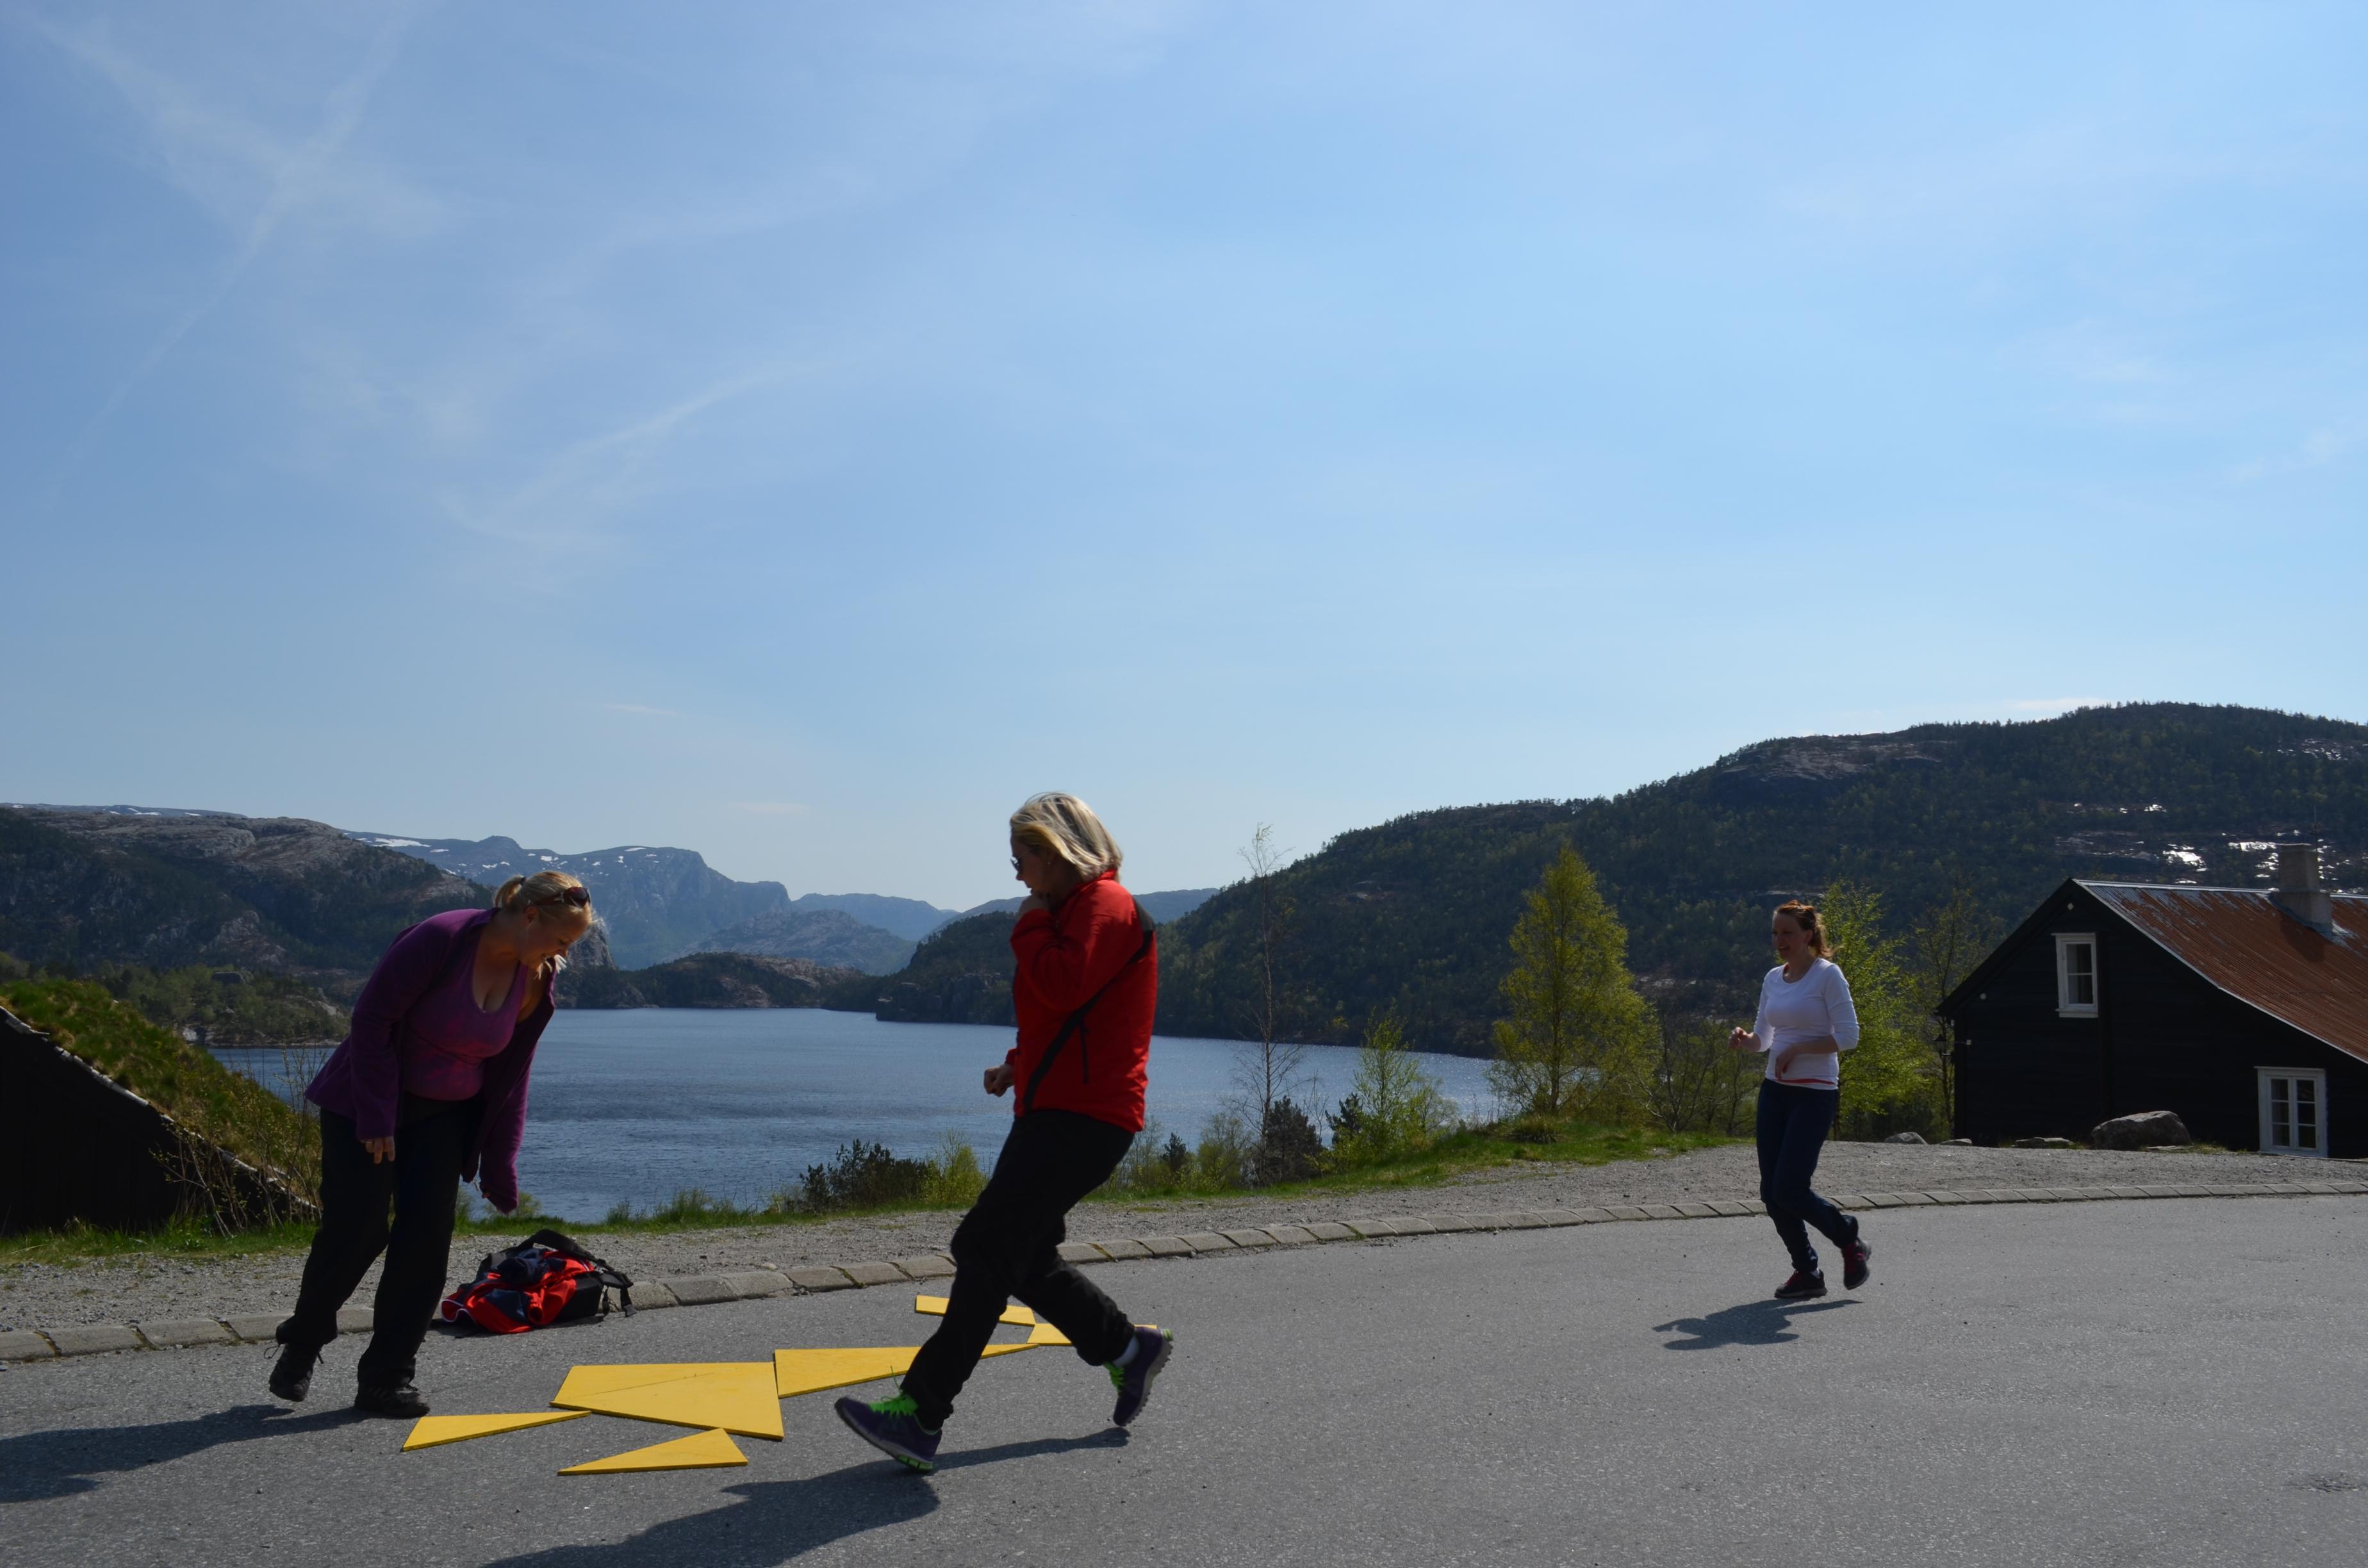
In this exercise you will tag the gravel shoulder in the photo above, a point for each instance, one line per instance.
(154, 1288)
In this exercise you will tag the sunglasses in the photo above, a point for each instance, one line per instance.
(574, 898)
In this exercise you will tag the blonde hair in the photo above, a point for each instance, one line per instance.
(1065, 827)
(545, 888)
(1812, 924)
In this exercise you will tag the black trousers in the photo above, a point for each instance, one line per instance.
(421, 1184)
(1008, 1245)
(1792, 1123)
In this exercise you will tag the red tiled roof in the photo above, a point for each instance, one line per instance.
(2246, 946)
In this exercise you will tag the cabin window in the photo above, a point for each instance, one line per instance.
(2294, 1111)
(2076, 975)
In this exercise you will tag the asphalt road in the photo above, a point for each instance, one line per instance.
(2098, 1383)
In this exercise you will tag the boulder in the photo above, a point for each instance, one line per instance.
(1957, 1142)
(1905, 1138)
(2043, 1143)
(2145, 1129)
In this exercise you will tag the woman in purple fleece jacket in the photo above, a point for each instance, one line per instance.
(427, 1090)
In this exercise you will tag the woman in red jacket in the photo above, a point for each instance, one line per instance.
(1084, 988)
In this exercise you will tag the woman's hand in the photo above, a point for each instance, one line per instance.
(1742, 1040)
(380, 1149)
(1000, 1077)
(1034, 901)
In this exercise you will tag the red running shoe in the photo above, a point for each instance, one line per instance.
(1855, 1258)
(1803, 1286)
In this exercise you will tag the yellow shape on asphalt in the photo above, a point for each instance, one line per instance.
(810, 1372)
(1016, 1315)
(736, 1396)
(701, 1451)
(433, 1431)
(1045, 1333)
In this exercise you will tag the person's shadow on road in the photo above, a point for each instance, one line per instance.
(777, 1520)
(1753, 1322)
(36, 1466)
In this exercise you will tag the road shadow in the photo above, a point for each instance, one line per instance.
(776, 1521)
(1753, 1322)
(37, 1466)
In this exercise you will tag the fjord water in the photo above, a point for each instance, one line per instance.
(635, 1105)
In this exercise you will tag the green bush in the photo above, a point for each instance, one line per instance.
(1393, 1107)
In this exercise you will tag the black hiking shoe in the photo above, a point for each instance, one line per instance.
(1803, 1287)
(1855, 1260)
(894, 1427)
(291, 1378)
(403, 1401)
(1133, 1380)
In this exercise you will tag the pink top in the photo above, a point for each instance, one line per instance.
(452, 1038)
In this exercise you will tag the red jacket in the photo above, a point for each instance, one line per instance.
(1064, 956)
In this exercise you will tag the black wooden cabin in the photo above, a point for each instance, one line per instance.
(2244, 1010)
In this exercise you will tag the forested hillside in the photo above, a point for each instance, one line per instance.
(85, 887)
(961, 976)
(1416, 912)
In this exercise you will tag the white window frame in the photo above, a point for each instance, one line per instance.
(2065, 1006)
(2312, 1075)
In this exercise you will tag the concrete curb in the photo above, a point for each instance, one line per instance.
(91, 1339)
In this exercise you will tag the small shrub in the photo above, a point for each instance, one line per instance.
(954, 1179)
(1396, 1107)
(863, 1175)
(1288, 1148)
(1228, 1158)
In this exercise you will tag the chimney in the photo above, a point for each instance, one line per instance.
(2298, 893)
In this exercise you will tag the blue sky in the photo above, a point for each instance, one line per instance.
(798, 433)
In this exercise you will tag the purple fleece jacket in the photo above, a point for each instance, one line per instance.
(363, 1078)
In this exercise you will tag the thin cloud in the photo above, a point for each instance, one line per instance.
(596, 477)
(296, 177)
(2323, 446)
(771, 808)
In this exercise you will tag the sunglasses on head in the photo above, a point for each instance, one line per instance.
(574, 898)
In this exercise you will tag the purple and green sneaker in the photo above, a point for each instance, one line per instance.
(890, 1426)
(1133, 1380)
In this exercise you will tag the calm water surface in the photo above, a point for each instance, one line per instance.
(632, 1106)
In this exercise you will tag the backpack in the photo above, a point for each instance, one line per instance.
(546, 1278)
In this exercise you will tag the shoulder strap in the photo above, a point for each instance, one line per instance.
(1070, 1024)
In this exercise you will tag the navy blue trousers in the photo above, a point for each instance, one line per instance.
(1794, 1121)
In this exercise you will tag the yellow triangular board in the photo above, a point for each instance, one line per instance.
(701, 1451)
(1045, 1333)
(736, 1396)
(1016, 1316)
(433, 1431)
(810, 1372)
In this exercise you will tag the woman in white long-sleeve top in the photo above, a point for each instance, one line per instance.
(1806, 1022)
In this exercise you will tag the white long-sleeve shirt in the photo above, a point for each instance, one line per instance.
(1812, 1007)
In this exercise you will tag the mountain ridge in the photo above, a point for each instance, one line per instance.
(1414, 912)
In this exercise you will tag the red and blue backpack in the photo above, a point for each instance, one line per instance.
(546, 1278)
